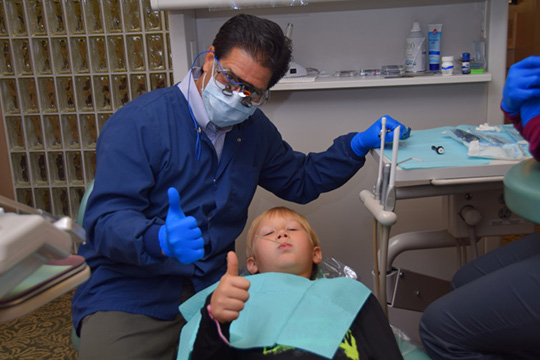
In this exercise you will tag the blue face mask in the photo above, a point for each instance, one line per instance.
(224, 110)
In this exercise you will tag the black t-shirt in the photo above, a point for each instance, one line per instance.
(369, 337)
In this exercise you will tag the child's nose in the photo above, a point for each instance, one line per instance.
(283, 233)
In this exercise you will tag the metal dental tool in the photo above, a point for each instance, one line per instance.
(409, 159)
(384, 186)
(390, 200)
(378, 184)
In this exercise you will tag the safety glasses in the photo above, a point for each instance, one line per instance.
(230, 84)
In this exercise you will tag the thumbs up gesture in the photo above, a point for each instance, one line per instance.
(180, 237)
(231, 293)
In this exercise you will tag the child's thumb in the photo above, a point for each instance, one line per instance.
(232, 264)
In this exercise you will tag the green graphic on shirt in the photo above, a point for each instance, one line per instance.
(277, 349)
(349, 346)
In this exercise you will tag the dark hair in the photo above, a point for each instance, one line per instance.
(261, 38)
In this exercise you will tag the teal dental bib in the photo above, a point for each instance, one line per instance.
(287, 310)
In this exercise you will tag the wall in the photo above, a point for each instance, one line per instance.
(523, 30)
(65, 67)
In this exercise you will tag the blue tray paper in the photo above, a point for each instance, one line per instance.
(419, 144)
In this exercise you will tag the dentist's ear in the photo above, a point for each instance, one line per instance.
(209, 59)
(252, 265)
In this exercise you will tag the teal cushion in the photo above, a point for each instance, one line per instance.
(521, 190)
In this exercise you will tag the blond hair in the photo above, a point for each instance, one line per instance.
(279, 211)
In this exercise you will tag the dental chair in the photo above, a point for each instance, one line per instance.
(36, 260)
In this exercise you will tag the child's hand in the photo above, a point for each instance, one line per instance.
(231, 293)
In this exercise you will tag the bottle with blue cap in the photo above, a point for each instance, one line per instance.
(466, 63)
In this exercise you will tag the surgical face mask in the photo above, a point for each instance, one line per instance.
(224, 110)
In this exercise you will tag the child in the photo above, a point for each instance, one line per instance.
(283, 250)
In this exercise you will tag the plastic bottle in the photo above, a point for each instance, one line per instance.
(466, 63)
(415, 50)
(447, 66)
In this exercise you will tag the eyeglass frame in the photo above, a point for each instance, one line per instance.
(244, 90)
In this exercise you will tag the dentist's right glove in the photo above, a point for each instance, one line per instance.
(180, 237)
(522, 84)
(362, 142)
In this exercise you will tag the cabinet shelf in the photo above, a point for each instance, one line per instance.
(333, 82)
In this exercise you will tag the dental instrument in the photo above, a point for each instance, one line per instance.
(384, 218)
(390, 199)
(378, 184)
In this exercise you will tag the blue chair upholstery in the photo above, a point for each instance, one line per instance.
(84, 200)
(75, 340)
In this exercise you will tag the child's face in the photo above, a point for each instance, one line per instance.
(281, 244)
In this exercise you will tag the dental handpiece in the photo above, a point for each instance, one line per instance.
(378, 184)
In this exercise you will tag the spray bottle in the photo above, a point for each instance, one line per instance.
(415, 50)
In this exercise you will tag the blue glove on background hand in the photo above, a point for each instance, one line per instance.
(522, 83)
(369, 139)
(180, 237)
(529, 109)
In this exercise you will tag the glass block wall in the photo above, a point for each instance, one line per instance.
(65, 67)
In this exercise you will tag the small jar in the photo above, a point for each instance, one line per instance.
(447, 66)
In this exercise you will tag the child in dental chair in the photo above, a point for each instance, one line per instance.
(278, 312)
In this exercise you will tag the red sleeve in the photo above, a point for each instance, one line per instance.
(531, 132)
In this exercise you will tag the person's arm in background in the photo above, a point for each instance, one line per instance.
(521, 100)
(530, 129)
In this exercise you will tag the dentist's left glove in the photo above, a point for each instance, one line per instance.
(180, 237)
(371, 138)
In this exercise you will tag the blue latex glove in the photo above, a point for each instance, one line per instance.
(180, 237)
(369, 139)
(522, 83)
(529, 109)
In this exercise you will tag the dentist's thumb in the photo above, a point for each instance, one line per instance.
(175, 212)
(232, 264)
